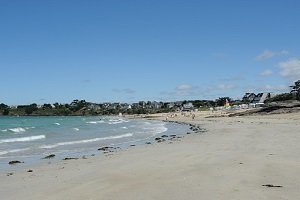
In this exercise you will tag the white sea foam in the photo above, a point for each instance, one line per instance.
(27, 128)
(155, 129)
(76, 129)
(17, 130)
(117, 121)
(23, 139)
(85, 141)
(4, 130)
(124, 127)
(95, 122)
(13, 151)
(58, 124)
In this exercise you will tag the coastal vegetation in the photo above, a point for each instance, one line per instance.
(82, 107)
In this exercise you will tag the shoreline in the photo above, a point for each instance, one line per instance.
(238, 158)
(21, 163)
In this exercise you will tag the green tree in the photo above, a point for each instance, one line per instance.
(221, 101)
(296, 89)
(47, 106)
(3, 106)
(5, 111)
(31, 108)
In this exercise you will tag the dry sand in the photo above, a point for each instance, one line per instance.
(233, 160)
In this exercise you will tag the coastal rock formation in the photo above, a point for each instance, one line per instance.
(49, 156)
(69, 158)
(13, 162)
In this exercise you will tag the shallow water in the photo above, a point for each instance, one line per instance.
(31, 138)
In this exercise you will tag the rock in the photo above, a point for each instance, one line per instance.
(13, 162)
(164, 136)
(148, 143)
(105, 148)
(161, 140)
(10, 174)
(172, 135)
(68, 158)
(49, 156)
(157, 139)
(132, 145)
(270, 185)
(188, 133)
(30, 170)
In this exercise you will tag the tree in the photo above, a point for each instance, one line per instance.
(3, 106)
(31, 108)
(56, 105)
(295, 89)
(47, 106)
(5, 111)
(222, 100)
(198, 103)
(77, 105)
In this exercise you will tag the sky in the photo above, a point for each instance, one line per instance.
(163, 50)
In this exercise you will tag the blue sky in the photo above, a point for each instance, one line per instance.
(126, 51)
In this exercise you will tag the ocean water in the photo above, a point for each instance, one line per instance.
(29, 139)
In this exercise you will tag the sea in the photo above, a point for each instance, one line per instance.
(29, 139)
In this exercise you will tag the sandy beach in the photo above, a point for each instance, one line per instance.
(249, 157)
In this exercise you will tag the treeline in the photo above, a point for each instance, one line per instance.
(81, 107)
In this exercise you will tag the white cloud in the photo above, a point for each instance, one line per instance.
(266, 54)
(271, 88)
(184, 87)
(191, 91)
(125, 91)
(267, 88)
(267, 72)
(290, 69)
(225, 86)
(185, 90)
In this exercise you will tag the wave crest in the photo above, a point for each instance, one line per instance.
(85, 141)
(23, 139)
(13, 151)
(17, 130)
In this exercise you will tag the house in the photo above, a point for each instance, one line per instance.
(156, 105)
(125, 106)
(171, 105)
(142, 104)
(135, 105)
(295, 89)
(261, 98)
(187, 107)
(249, 97)
(94, 106)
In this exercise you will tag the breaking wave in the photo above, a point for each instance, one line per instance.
(13, 151)
(95, 122)
(86, 141)
(17, 130)
(117, 121)
(23, 139)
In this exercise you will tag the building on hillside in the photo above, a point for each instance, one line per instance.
(187, 107)
(295, 89)
(261, 98)
(249, 97)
